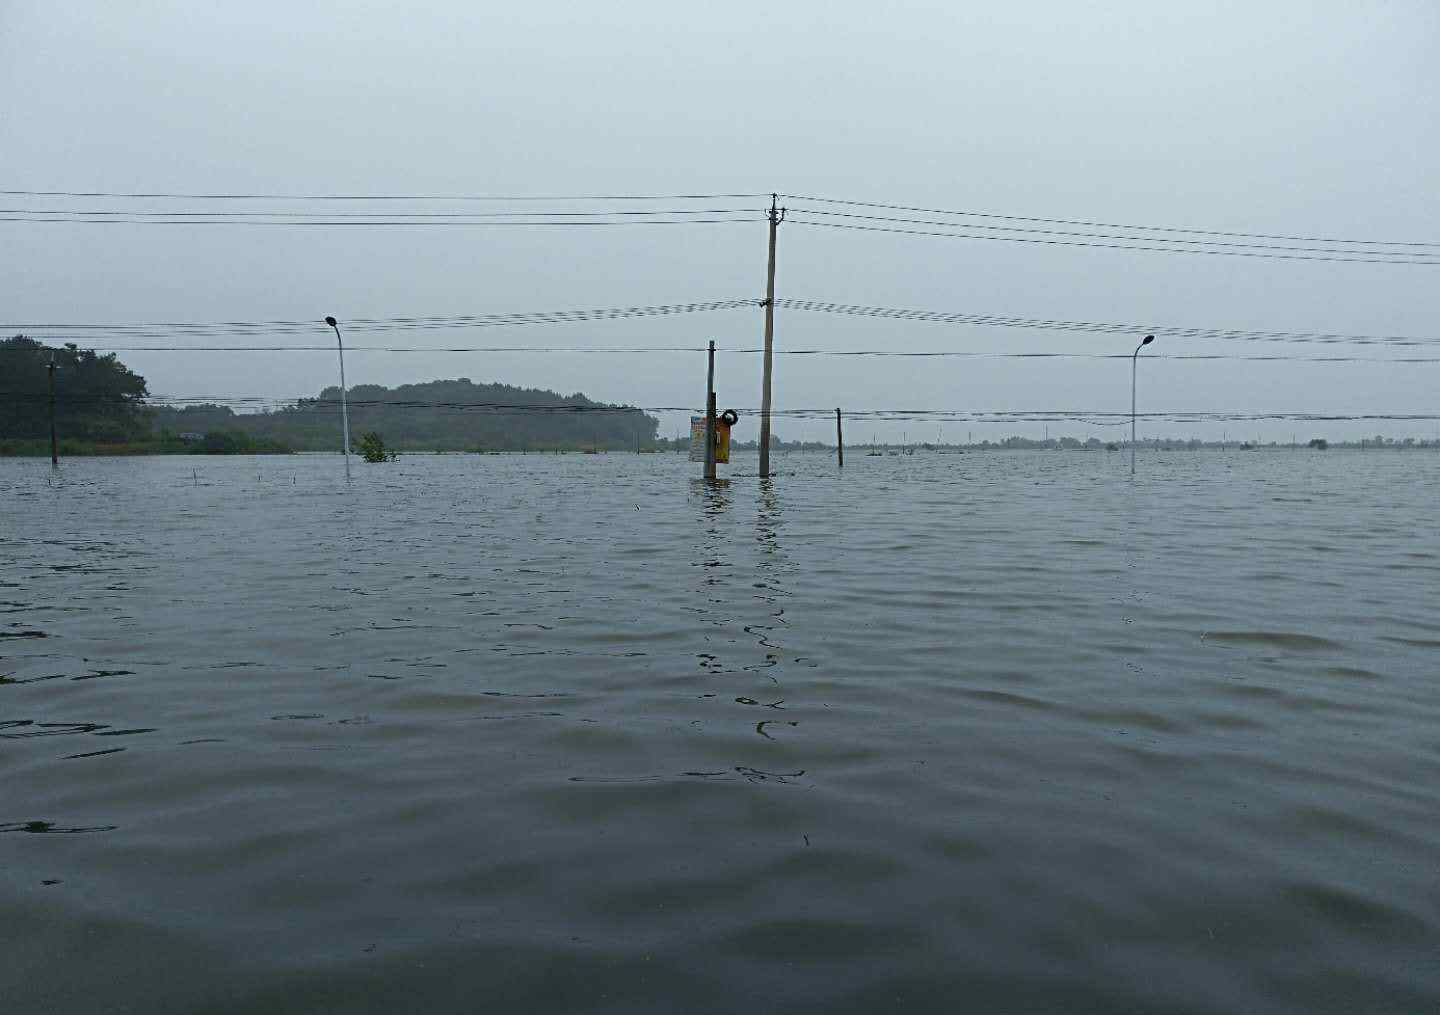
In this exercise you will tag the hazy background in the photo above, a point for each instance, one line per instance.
(1304, 117)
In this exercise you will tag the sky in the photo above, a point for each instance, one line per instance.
(1315, 119)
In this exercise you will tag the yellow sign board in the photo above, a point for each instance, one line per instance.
(697, 439)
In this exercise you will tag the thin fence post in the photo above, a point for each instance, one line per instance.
(839, 441)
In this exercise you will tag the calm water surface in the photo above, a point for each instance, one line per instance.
(991, 733)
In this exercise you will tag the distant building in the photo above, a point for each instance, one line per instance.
(192, 438)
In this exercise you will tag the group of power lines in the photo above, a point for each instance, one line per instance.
(193, 337)
(592, 210)
(972, 225)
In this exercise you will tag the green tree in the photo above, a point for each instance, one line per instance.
(372, 448)
(97, 397)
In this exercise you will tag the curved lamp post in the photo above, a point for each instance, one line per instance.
(1135, 359)
(344, 411)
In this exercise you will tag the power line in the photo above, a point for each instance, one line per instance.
(459, 215)
(380, 324)
(961, 213)
(166, 329)
(955, 354)
(1100, 327)
(168, 195)
(1201, 245)
(431, 223)
(1165, 238)
(1109, 246)
(1110, 225)
(841, 353)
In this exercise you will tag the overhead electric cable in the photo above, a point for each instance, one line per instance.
(223, 196)
(1111, 225)
(1168, 241)
(1109, 246)
(460, 215)
(100, 331)
(331, 221)
(1100, 327)
(380, 324)
(695, 350)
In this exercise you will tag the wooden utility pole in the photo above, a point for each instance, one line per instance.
(54, 452)
(710, 416)
(839, 440)
(776, 215)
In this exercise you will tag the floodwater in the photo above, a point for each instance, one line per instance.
(1003, 732)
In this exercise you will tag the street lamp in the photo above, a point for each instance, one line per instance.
(1135, 359)
(344, 411)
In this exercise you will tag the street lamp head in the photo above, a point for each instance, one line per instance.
(330, 321)
(1148, 339)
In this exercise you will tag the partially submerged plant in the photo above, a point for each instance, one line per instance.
(372, 448)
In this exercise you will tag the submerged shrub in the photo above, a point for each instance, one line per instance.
(372, 448)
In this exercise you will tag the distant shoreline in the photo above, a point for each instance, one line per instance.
(97, 449)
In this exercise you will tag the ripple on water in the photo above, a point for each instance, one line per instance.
(1001, 732)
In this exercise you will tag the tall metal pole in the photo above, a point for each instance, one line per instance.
(839, 440)
(710, 416)
(776, 215)
(54, 452)
(344, 410)
(1134, 359)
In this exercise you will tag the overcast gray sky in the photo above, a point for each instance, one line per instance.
(1308, 118)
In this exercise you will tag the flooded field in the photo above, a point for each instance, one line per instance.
(983, 732)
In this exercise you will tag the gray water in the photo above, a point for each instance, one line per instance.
(991, 733)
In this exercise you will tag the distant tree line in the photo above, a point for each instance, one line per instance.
(447, 415)
(101, 401)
